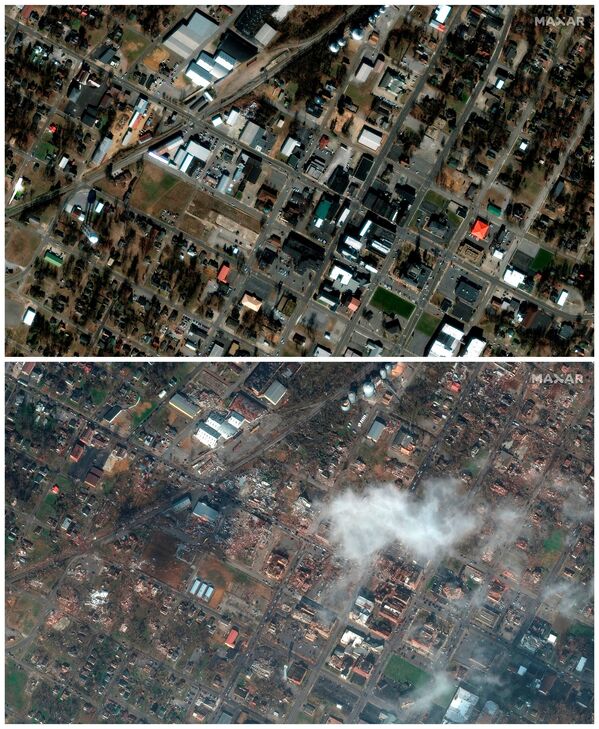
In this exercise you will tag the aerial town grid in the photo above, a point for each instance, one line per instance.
(299, 180)
(299, 542)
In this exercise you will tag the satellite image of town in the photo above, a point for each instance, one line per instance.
(299, 180)
(299, 542)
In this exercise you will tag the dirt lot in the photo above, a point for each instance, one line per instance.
(160, 561)
(154, 59)
(206, 207)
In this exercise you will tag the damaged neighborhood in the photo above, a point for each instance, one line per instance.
(299, 542)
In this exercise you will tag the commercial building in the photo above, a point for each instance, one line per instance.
(182, 503)
(461, 708)
(439, 17)
(447, 342)
(251, 302)
(370, 138)
(102, 150)
(475, 347)
(232, 638)
(479, 229)
(513, 277)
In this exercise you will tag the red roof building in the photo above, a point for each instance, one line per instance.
(354, 305)
(480, 229)
(232, 638)
(77, 452)
(223, 273)
(28, 368)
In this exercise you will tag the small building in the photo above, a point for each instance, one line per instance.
(29, 316)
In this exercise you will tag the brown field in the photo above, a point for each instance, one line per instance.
(160, 561)
(21, 246)
(155, 58)
(192, 225)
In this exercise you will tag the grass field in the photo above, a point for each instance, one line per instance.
(542, 260)
(433, 198)
(155, 183)
(400, 670)
(390, 303)
(14, 684)
(43, 149)
(47, 507)
(554, 542)
(580, 630)
(133, 45)
(98, 395)
(427, 324)
(140, 417)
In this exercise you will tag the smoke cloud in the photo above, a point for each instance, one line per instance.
(363, 524)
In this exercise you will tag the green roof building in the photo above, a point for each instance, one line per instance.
(53, 259)
(493, 209)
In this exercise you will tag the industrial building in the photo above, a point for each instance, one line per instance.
(186, 38)
(183, 405)
(275, 393)
(205, 512)
(207, 435)
(376, 429)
